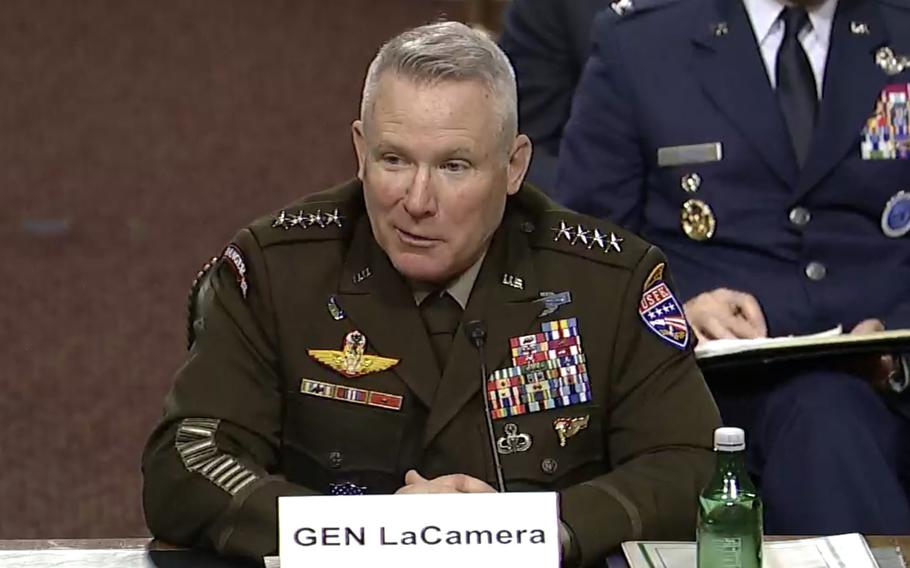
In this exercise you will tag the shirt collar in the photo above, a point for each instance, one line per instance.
(764, 13)
(459, 287)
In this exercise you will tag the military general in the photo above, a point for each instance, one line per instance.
(329, 353)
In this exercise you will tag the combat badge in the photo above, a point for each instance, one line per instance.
(552, 302)
(896, 216)
(569, 427)
(661, 312)
(352, 361)
(234, 259)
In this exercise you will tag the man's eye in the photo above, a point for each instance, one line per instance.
(392, 160)
(455, 166)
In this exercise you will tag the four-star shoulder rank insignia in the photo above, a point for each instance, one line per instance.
(578, 235)
(303, 220)
(352, 361)
(661, 312)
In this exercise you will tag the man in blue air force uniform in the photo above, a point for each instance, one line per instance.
(764, 147)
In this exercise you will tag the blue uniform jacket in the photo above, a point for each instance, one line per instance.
(690, 72)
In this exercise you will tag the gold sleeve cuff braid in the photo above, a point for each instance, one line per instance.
(195, 442)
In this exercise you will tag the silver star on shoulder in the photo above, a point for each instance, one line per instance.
(283, 221)
(299, 220)
(581, 235)
(333, 218)
(563, 231)
(614, 243)
(597, 239)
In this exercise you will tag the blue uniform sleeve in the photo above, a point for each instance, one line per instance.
(601, 166)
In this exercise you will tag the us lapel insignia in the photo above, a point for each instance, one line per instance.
(513, 281)
(569, 427)
(552, 302)
(352, 361)
(661, 312)
(859, 28)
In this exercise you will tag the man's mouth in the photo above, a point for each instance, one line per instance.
(413, 239)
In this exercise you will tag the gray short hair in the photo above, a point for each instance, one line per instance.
(447, 51)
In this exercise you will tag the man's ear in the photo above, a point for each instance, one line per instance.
(360, 146)
(519, 159)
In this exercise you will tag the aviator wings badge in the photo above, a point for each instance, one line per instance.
(352, 361)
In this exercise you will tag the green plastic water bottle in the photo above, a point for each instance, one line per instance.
(730, 510)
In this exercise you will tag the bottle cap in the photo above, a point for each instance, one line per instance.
(729, 440)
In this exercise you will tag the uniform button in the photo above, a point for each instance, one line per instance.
(527, 227)
(549, 466)
(800, 216)
(335, 460)
(816, 271)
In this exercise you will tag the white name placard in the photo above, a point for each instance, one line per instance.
(455, 530)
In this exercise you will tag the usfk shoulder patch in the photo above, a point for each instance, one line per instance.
(234, 259)
(661, 312)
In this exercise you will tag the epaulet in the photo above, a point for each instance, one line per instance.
(626, 8)
(327, 215)
(588, 237)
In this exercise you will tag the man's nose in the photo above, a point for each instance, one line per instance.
(420, 200)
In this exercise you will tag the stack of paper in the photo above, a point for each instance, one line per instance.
(830, 343)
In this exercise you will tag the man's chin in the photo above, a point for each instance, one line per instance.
(422, 269)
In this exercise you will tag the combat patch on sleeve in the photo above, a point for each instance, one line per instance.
(661, 312)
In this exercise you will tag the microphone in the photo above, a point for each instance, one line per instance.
(476, 332)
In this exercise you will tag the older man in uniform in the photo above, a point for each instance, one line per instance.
(763, 144)
(330, 358)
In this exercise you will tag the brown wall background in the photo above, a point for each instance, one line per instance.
(135, 137)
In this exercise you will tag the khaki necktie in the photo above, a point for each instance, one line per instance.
(441, 315)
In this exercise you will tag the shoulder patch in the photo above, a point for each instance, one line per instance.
(234, 258)
(661, 312)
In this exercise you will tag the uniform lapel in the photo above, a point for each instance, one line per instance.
(852, 84)
(381, 305)
(728, 62)
(505, 310)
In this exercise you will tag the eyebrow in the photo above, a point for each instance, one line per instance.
(456, 152)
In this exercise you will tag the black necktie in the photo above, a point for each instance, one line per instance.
(441, 314)
(796, 84)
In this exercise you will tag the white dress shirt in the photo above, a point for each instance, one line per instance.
(815, 38)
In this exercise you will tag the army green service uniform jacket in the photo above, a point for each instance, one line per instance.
(254, 415)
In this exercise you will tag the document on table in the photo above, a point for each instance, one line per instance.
(833, 342)
(840, 551)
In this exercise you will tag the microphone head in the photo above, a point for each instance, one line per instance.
(476, 332)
